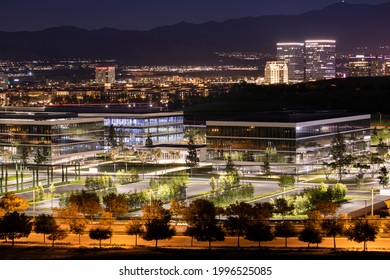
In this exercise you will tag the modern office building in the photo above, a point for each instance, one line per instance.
(276, 72)
(105, 75)
(3, 81)
(132, 129)
(366, 65)
(386, 66)
(320, 59)
(288, 137)
(294, 56)
(60, 137)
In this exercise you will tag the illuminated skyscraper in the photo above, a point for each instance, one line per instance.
(105, 75)
(365, 65)
(276, 72)
(294, 55)
(320, 58)
(387, 66)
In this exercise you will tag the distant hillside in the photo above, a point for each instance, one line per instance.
(184, 43)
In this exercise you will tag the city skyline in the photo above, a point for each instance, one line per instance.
(22, 15)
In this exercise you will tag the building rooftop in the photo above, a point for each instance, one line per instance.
(290, 116)
(36, 115)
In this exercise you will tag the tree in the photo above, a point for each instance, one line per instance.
(375, 161)
(111, 138)
(310, 234)
(286, 181)
(116, 203)
(192, 159)
(202, 225)
(285, 229)
(11, 203)
(266, 168)
(14, 225)
(363, 230)
(263, 211)
(157, 219)
(213, 184)
(333, 226)
(239, 216)
(149, 141)
(100, 234)
(383, 176)
(58, 234)
(177, 207)
(40, 156)
(231, 171)
(76, 221)
(135, 227)
(24, 154)
(282, 207)
(87, 203)
(45, 224)
(259, 231)
(338, 153)
(78, 225)
(382, 149)
(156, 154)
(326, 207)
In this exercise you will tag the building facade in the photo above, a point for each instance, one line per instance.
(60, 137)
(297, 138)
(366, 66)
(3, 81)
(276, 72)
(294, 56)
(133, 129)
(105, 75)
(320, 59)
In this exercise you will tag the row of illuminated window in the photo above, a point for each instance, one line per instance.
(50, 140)
(131, 132)
(77, 148)
(251, 144)
(142, 122)
(75, 128)
(314, 130)
(155, 139)
(250, 131)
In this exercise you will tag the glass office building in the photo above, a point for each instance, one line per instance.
(320, 58)
(294, 56)
(287, 137)
(134, 129)
(366, 65)
(61, 137)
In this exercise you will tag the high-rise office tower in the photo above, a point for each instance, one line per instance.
(276, 72)
(320, 56)
(365, 65)
(387, 66)
(3, 81)
(294, 55)
(105, 75)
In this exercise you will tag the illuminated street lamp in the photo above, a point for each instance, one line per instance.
(372, 201)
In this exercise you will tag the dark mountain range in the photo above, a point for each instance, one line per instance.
(351, 25)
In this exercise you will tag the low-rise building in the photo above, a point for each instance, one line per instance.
(288, 137)
(59, 137)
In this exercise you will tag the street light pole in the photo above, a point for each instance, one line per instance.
(372, 201)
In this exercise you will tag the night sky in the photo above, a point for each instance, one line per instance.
(29, 15)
